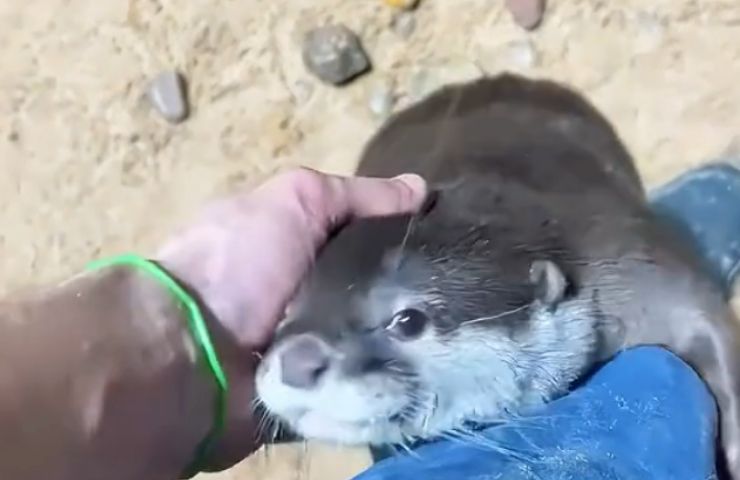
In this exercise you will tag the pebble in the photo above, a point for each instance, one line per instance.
(404, 24)
(527, 13)
(402, 4)
(381, 100)
(167, 96)
(334, 54)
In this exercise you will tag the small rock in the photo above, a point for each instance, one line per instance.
(527, 13)
(402, 4)
(381, 100)
(334, 54)
(13, 136)
(404, 24)
(167, 95)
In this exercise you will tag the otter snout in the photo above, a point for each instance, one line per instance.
(339, 390)
(303, 362)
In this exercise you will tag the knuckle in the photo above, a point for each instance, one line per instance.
(303, 178)
(312, 194)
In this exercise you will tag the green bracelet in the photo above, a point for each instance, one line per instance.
(199, 330)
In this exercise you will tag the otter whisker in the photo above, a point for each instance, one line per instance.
(519, 419)
(479, 440)
(408, 450)
(266, 451)
(397, 449)
(276, 429)
(402, 372)
(453, 438)
(519, 426)
(269, 426)
(495, 317)
(404, 241)
(466, 439)
(262, 423)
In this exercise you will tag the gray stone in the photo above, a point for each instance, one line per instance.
(334, 54)
(404, 24)
(167, 94)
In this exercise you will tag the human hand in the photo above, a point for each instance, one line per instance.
(246, 256)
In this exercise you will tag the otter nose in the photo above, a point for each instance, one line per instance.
(303, 362)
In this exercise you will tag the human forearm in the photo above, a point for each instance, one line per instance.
(99, 378)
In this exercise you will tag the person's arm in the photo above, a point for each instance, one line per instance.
(100, 376)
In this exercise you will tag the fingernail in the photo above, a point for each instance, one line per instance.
(415, 182)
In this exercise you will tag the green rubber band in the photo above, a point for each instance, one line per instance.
(198, 329)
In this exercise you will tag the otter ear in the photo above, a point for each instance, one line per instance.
(549, 282)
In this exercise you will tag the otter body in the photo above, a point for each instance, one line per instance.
(538, 259)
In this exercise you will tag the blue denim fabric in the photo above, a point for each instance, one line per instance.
(643, 416)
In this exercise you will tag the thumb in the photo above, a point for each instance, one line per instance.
(327, 201)
(366, 197)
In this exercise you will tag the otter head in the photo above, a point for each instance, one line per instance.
(411, 327)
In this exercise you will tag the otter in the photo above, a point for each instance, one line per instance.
(536, 259)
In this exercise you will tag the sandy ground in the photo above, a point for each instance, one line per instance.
(88, 169)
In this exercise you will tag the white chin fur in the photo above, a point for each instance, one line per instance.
(315, 426)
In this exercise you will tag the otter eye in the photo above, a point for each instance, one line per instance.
(407, 324)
